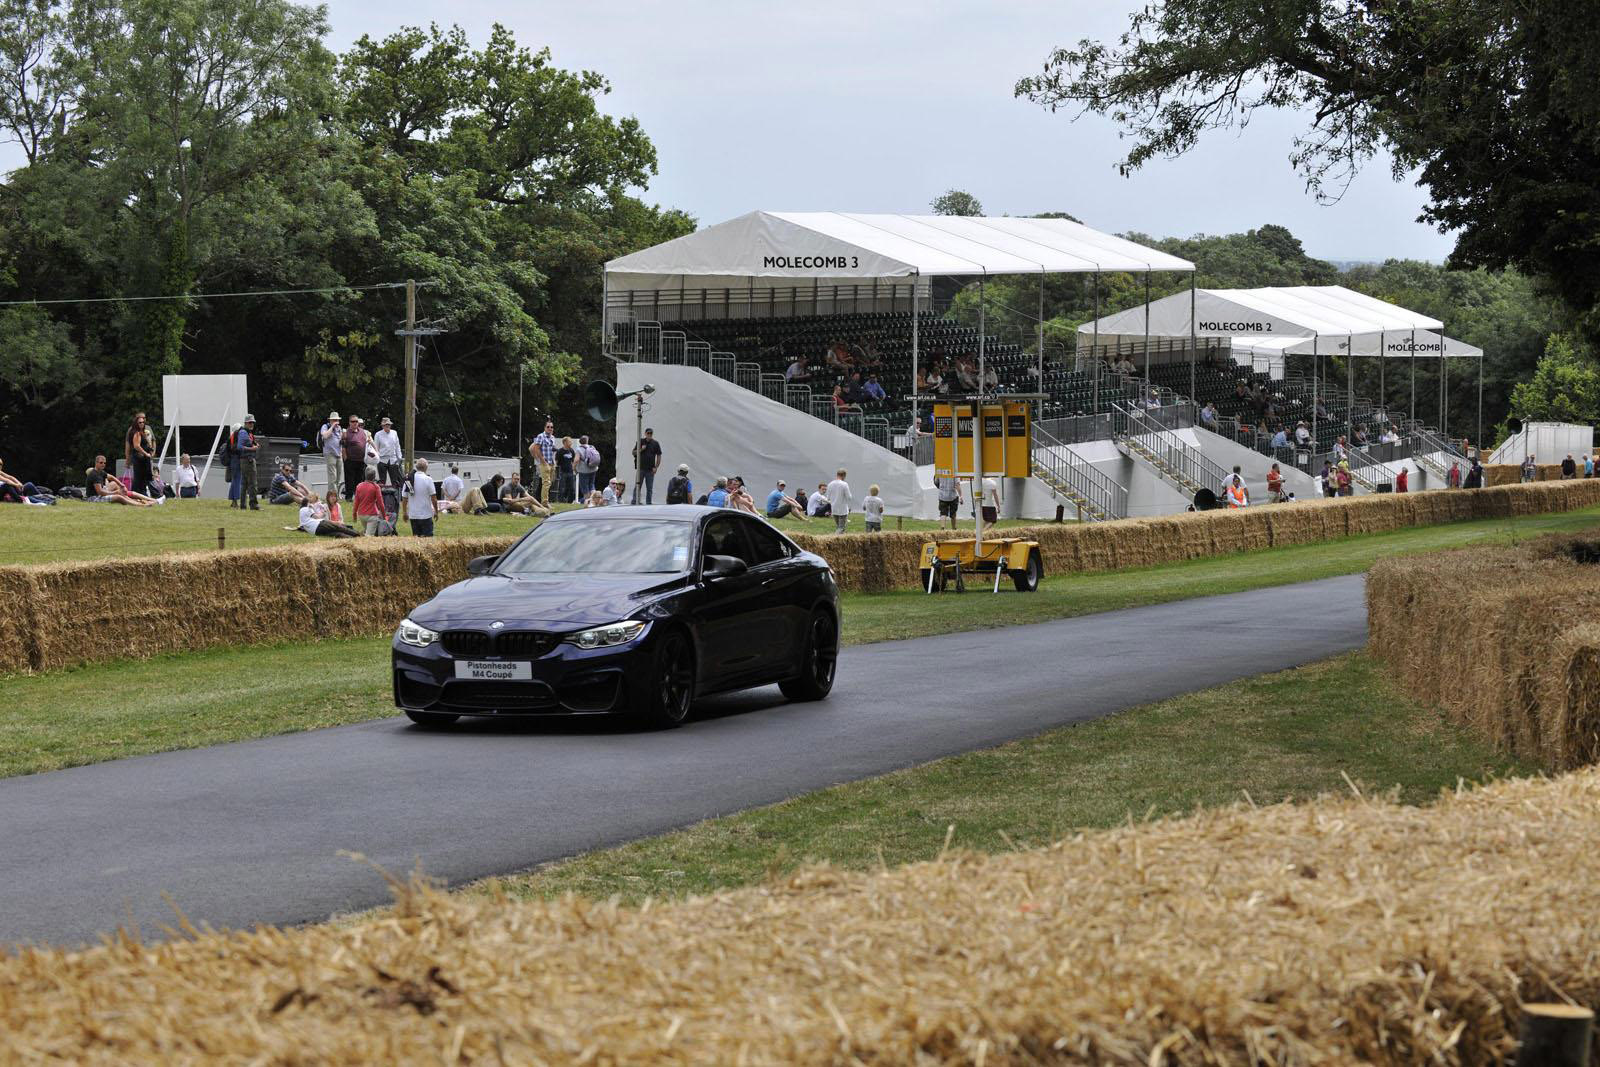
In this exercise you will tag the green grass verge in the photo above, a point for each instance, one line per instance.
(75, 530)
(1274, 737)
(189, 699)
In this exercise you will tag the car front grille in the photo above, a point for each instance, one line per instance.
(524, 643)
(498, 696)
(465, 642)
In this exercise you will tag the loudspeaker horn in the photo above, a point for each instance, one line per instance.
(1513, 425)
(600, 400)
(1206, 500)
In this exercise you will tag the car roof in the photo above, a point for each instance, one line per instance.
(680, 512)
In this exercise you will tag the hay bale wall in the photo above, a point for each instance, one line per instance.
(1511, 473)
(1503, 640)
(1342, 931)
(57, 615)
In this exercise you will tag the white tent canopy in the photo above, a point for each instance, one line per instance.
(766, 249)
(1291, 320)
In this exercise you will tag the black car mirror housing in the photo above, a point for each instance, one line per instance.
(481, 565)
(723, 567)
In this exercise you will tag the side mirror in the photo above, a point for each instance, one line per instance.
(723, 567)
(481, 565)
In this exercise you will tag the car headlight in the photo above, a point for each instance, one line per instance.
(411, 633)
(617, 633)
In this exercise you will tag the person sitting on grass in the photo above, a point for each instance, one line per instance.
(287, 489)
(515, 498)
(321, 518)
(739, 498)
(103, 487)
(595, 499)
(718, 497)
(614, 492)
(19, 492)
(781, 505)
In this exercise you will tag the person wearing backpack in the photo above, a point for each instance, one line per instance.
(230, 452)
(679, 489)
(587, 464)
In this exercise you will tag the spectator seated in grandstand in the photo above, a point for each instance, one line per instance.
(797, 371)
(104, 487)
(1361, 437)
(1208, 416)
(1280, 439)
(286, 489)
(872, 389)
(1124, 366)
(966, 375)
(19, 492)
(1302, 434)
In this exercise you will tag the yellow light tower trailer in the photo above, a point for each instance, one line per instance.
(999, 442)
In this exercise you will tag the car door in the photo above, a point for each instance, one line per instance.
(785, 582)
(735, 616)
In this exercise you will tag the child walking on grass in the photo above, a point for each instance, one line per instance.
(873, 507)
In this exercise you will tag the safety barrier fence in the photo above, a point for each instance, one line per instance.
(1152, 432)
(1104, 498)
(61, 614)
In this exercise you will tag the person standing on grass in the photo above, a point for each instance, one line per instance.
(949, 491)
(872, 508)
(543, 451)
(422, 501)
(388, 445)
(329, 439)
(369, 507)
(1275, 485)
(1454, 480)
(1529, 468)
(586, 463)
(838, 494)
(244, 442)
(138, 455)
(186, 479)
(1588, 465)
(1569, 467)
(353, 446)
(566, 475)
(1474, 476)
(647, 454)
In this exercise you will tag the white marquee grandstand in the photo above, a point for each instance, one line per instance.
(761, 317)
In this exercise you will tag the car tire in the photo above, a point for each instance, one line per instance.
(1027, 579)
(432, 720)
(819, 660)
(671, 693)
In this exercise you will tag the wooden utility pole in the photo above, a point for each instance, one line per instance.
(411, 376)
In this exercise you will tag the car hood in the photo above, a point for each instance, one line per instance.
(560, 602)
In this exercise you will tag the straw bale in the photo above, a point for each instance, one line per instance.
(1574, 695)
(137, 608)
(1343, 931)
(19, 645)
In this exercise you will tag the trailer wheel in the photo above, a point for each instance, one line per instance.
(932, 579)
(1026, 580)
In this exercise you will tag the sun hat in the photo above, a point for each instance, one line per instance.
(333, 416)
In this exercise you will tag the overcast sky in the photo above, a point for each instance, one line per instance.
(880, 106)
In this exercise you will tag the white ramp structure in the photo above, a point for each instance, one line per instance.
(200, 400)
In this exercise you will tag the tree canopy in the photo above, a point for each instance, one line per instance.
(1495, 104)
(178, 147)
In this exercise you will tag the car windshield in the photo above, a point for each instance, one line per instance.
(603, 546)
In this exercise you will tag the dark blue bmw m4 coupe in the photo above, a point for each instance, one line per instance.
(622, 609)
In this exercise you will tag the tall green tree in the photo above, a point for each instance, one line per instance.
(956, 202)
(1565, 386)
(1494, 103)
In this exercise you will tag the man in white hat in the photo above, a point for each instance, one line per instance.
(330, 442)
(388, 443)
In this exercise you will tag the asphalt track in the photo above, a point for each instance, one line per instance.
(253, 832)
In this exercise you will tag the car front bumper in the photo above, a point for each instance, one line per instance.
(567, 680)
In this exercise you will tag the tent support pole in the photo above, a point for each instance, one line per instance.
(1316, 372)
(1383, 356)
(916, 418)
(1413, 375)
(1350, 388)
(1147, 329)
(1039, 385)
(982, 334)
(1194, 342)
(1096, 350)
(1479, 440)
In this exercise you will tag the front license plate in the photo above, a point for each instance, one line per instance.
(488, 670)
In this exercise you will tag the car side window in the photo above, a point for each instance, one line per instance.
(769, 547)
(723, 537)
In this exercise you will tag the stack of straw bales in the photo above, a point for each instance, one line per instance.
(1337, 932)
(1504, 640)
(56, 615)
(1511, 473)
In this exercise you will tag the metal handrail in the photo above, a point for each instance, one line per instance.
(1108, 498)
(1186, 462)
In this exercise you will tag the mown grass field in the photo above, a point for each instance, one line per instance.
(78, 530)
(1280, 736)
(191, 699)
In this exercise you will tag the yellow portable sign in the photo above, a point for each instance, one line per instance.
(1005, 437)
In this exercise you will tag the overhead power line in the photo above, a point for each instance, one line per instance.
(206, 296)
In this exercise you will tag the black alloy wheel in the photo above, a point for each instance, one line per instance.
(819, 660)
(673, 692)
(432, 720)
(1027, 580)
